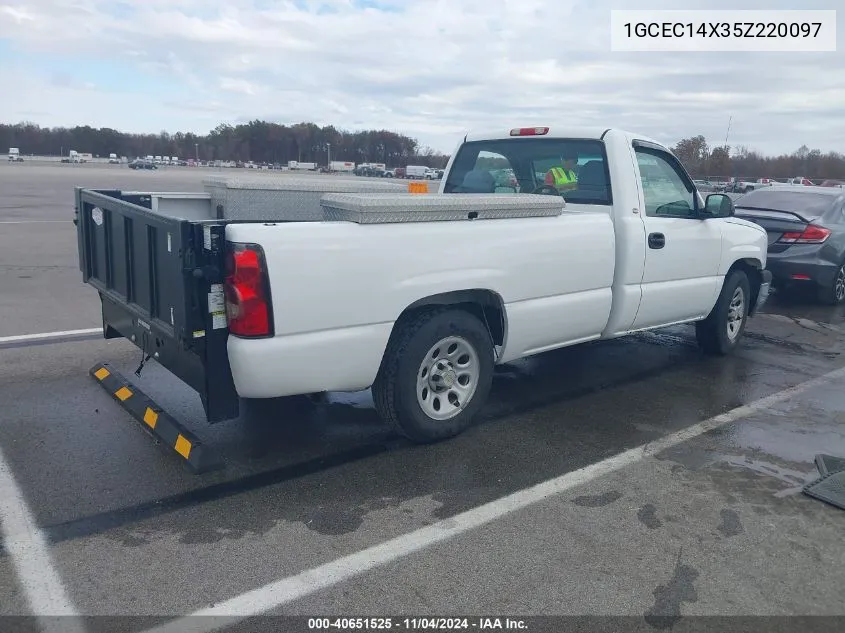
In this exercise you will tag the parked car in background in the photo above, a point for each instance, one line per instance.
(705, 186)
(833, 183)
(800, 180)
(141, 163)
(741, 185)
(806, 229)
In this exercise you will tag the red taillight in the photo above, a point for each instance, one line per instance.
(529, 131)
(247, 300)
(811, 235)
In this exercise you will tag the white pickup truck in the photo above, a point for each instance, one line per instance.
(419, 296)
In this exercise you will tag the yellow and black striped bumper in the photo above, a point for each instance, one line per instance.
(198, 457)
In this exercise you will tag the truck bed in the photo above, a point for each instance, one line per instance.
(158, 262)
(159, 273)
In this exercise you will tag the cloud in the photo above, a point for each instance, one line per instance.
(241, 86)
(429, 68)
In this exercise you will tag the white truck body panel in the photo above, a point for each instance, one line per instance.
(584, 275)
(341, 165)
(360, 331)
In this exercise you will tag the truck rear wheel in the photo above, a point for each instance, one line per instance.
(435, 376)
(721, 331)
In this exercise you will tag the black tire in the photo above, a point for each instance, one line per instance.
(833, 294)
(395, 387)
(712, 332)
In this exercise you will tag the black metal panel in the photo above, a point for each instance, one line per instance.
(154, 277)
(116, 235)
(221, 400)
(153, 340)
(128, 260)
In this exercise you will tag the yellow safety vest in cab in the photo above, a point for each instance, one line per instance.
(563, 179)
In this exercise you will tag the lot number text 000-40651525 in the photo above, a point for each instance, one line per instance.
(723, 31)
(415, 624)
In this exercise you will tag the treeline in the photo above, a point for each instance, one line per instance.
(723, 162)
(257, 141)
(261, 141)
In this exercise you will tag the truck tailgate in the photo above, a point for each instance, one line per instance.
(160, 280)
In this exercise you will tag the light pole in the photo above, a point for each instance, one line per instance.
(197, 151)
(329, 156)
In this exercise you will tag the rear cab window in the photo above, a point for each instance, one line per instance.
(575, 169)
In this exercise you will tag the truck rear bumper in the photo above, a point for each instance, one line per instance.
(346, 359)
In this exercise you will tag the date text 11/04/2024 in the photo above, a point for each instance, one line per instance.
(722, 29)
(415, 624)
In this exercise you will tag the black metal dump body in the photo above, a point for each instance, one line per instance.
(160, 281)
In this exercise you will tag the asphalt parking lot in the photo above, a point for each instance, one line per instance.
(632, 477)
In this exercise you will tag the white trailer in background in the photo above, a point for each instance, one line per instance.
(341, 165)
(295, 164)
(113, 159)
(15, 154)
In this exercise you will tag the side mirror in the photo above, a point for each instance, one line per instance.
(718, 205)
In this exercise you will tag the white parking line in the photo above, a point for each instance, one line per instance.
(34, 221)
(287, 590)
(30, 555)
(43, 335)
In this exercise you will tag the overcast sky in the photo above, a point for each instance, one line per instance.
(431, 69)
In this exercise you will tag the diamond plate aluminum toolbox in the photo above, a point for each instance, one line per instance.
(437, 207)
(284, 198)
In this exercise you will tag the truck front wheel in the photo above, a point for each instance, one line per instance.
(435, 376)
(720, 332)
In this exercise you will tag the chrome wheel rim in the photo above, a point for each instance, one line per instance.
(447, 378)
(839, 284)
(736, 313)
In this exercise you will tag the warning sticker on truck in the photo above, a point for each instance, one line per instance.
(206, 237)
(216, 302)
(218, 320)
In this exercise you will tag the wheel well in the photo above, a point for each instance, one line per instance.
(751, 267)
(485, 305)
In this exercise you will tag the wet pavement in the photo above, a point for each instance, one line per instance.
(713, 525)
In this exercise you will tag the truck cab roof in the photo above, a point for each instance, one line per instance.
(556, 131)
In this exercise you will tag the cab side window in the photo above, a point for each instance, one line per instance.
(666, 191)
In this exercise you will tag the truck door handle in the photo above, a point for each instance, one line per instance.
(656, 240)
